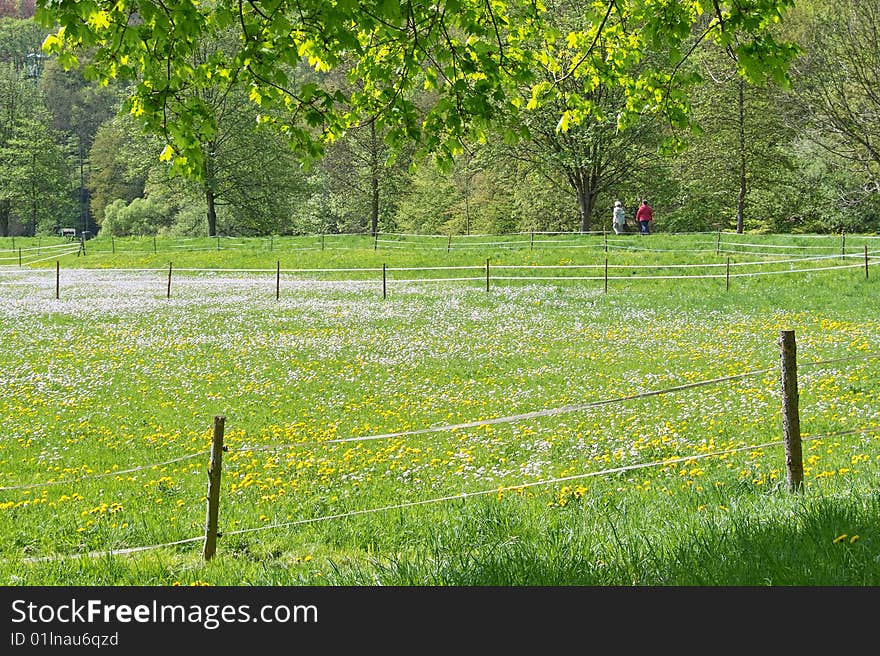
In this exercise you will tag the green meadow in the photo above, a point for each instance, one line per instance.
(603, 411)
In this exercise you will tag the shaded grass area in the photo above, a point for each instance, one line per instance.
(768, 541)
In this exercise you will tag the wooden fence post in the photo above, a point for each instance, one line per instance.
(487, 274)
(214, 469)
(112, 245)
(606, 274)
(532, 241)
(727, 275)
(866, 261)
(19, 257)
(278, 281)
(155, 250)
(842, 245)
(791, 424)
(322, 242)
(168, 293)
(57, 280)
(449, 243)
(383, 280)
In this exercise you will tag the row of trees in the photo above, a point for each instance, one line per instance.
(761, 154)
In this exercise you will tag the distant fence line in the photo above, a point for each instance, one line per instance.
(488, 273)
(788, 260)
(391, 241)
(788, 369)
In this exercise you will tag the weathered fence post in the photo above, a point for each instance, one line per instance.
(155, 248)
(322, 242)
(168, 293)
(866, 261)
(487, 274)
(214, 487)
(727, 275)
(112, 245)
(57, 280)
(383, 280)
(19, 257)
(532, 241)
(606, 274)
(449, 243)
(791, 424)
(278, 280)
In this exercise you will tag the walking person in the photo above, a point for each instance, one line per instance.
(618, 220)
(644, 216)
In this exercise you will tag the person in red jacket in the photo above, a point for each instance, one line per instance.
(644, 215)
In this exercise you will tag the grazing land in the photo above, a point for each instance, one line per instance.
(470, 424)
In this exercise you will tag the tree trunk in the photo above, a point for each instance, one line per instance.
(374, 181)
(82, 190)
(4, 218)
(741, 197)
(212, 212)
(210, 196)
(34, 195)
(585, 206)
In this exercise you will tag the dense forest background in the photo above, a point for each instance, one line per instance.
(761, 158)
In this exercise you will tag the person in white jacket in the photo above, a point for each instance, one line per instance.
(618, 221)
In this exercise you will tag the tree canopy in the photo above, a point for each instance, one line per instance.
(472, 56)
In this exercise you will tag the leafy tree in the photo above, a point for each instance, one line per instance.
(20, 42)
(835, 94)
(590, 158)
(141, 217)
(366, 177)
(120, 158)
(471, 54)
(36, 177)
(537, 205)
(738, 154)
(431, 202)
(78, 108)
(17, 100)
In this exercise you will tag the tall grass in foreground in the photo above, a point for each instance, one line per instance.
(114, 376)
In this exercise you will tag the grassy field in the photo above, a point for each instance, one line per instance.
(543, 432)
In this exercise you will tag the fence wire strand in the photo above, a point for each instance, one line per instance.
(452, 497)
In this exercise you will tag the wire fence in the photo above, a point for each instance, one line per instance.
(465, 494)
(486, 273)
(701, 242)
(789, 259)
